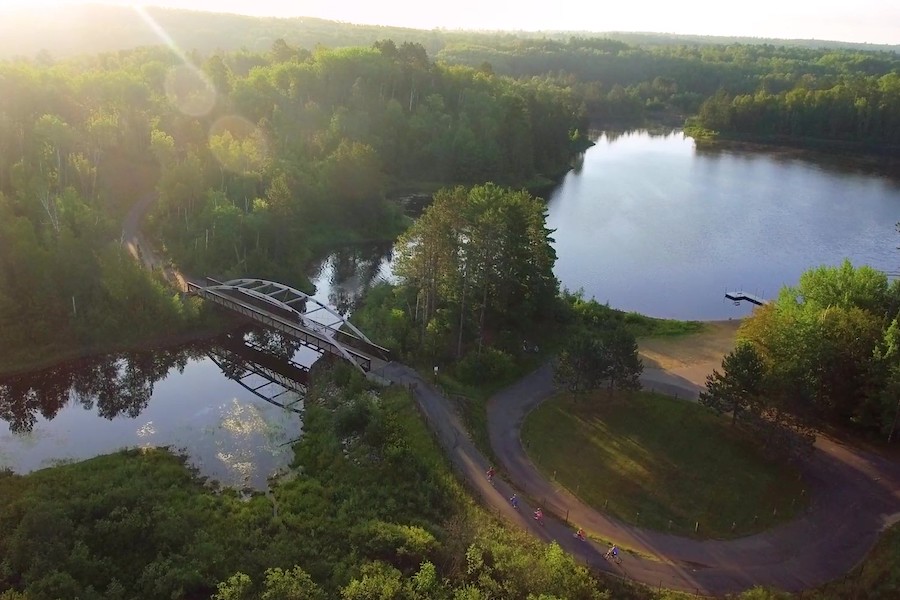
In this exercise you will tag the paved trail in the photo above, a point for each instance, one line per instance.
(853, 496)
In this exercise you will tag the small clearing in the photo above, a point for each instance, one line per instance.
(692, 356)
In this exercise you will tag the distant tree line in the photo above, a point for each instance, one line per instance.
(856, 108)
(618, 81)
(94, 29)
(620, 77)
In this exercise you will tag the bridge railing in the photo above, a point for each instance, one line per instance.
(286, 321)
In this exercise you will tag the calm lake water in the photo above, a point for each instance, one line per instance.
(196, 399)
(648, 223)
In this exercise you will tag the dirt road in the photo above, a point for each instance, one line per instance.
(141, 248)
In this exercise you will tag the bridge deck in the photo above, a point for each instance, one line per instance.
(753, 298)
(369, 358)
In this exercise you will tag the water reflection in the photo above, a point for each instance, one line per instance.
(117, 384)
(855, 164)
(650, 223)
(174, 397)
(344, 276)
(230, 404)
(245, 360)
(610, 136)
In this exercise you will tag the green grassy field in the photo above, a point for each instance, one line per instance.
(660, 463)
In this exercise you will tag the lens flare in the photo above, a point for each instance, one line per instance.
(238, 145)
(187, 87)
(190, 90)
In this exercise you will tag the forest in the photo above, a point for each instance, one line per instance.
(779, 91)
(825, 353)
(261, 158)
(260, 162)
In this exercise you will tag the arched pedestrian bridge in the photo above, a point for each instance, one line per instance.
(298, 315)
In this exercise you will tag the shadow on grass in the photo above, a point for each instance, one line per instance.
(662, 464)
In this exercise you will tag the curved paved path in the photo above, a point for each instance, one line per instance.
(853, 496)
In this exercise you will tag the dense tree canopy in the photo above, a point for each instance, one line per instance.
(823, 351)
(260, 163)
(607, 357)
(478, 261)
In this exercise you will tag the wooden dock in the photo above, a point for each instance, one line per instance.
(753, 298)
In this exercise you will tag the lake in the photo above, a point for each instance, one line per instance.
(650, 224)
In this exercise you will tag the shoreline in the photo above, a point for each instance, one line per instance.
(162, 342)
(158, 342)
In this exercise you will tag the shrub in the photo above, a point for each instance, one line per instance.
(490, 363)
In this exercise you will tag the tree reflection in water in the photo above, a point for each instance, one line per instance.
(349, 272)
(122, 384)
(117, 384)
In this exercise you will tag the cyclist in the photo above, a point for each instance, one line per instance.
(514, 501)
(490, 474)
(613, 553)
(580, 534)
(539, 516)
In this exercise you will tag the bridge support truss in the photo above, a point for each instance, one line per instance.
(298, 315)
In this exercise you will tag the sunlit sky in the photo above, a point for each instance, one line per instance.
(873, 21)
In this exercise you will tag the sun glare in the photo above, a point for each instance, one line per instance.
(874, 21)
(29, 4)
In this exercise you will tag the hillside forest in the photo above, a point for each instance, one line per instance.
(259, 159)
(264, 159)
(260, 162)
